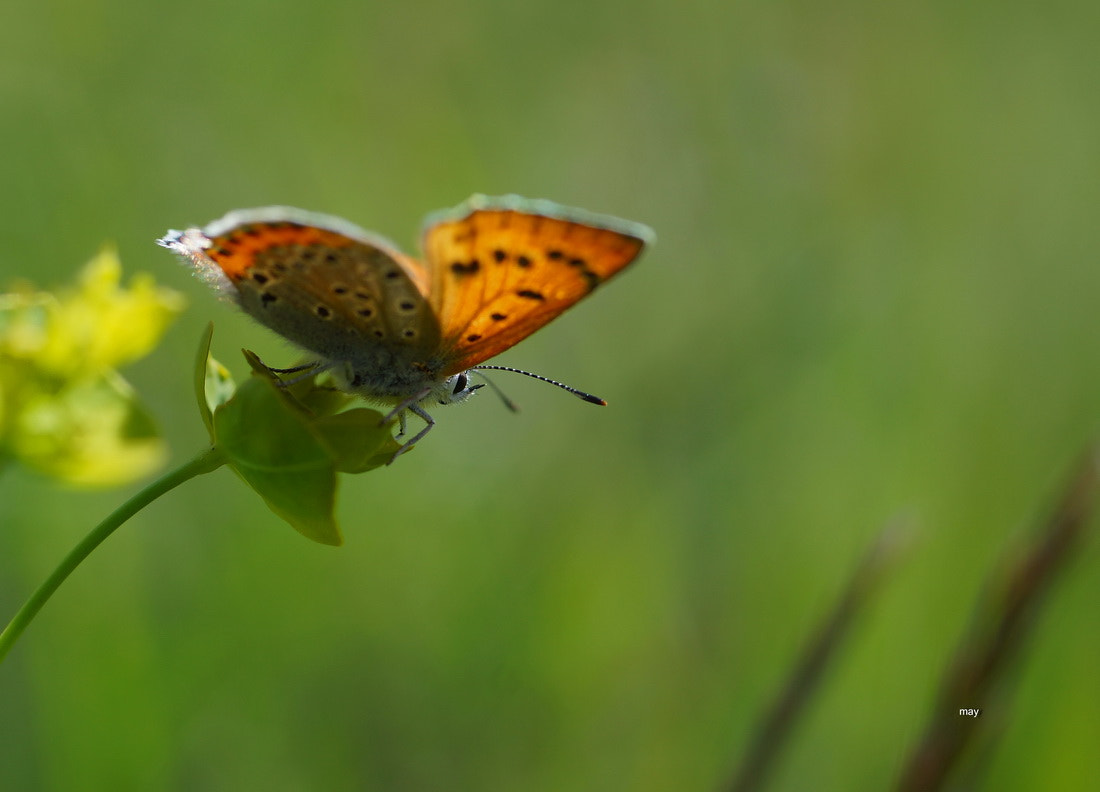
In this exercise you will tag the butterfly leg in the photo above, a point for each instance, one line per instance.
(407, 404)
(304, 372)
(398, 412)
(428, 420)
(295, 369)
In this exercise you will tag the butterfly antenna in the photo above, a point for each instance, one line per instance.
(511, 405)
(588, 397)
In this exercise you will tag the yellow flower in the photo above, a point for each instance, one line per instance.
(64, 410)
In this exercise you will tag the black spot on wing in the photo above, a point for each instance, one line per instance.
(460, 268)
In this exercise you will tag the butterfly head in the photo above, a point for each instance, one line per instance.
(457, 388)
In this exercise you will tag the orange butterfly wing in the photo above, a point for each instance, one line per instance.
(324, 284)
(502, 268)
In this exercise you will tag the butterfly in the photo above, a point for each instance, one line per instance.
(393, 329)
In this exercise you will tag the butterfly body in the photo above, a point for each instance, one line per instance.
(390, 328)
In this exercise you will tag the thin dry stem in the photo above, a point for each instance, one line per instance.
(805, 679)
(998, 631)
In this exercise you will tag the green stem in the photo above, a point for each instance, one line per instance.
(207, 461)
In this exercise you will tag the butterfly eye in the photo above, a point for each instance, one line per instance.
(460, 384)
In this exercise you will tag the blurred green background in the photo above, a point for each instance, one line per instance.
(873, 293)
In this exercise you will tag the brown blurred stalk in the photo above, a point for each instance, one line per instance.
(775, 729)
(998, 630)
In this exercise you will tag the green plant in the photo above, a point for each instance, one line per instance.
(285, 442)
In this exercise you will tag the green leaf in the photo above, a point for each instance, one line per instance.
(317, 399)
(269, 442)
(321, 399)
(199, 376)
(289, 442)
(356, 440)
